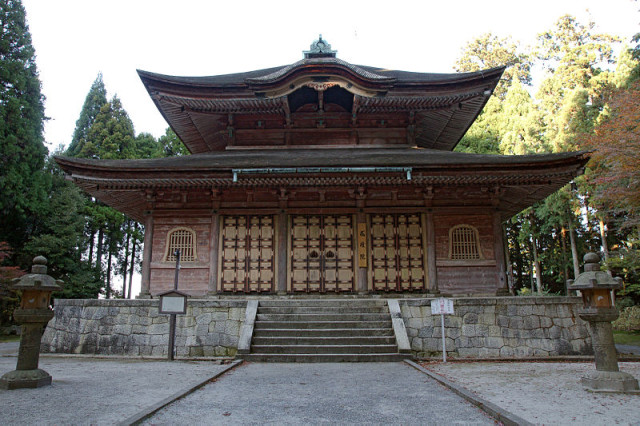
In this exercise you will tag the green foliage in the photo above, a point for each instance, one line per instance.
(9, 300)
(629, 319)
(95, 100)
(21, 125)
(171, 145)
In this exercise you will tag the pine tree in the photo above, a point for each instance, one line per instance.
(22, 182)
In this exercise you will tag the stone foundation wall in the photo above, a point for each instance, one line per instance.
(134, 327)
(499, 327)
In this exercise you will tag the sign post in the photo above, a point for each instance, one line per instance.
(173, 302)
(443, 307)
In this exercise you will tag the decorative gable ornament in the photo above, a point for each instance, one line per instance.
(320, 49)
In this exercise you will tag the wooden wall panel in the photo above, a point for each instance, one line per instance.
(194, 276)
(466, 276)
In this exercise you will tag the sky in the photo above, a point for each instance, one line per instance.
(77, 39)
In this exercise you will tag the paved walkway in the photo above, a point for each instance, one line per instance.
(324, 393)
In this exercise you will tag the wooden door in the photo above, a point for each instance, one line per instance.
(322, 255)
(247, 254)
(397, 254)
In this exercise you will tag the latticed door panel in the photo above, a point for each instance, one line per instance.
(247, 255)
(397, 256)
(322, 253)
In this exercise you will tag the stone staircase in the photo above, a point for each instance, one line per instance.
(323, 330)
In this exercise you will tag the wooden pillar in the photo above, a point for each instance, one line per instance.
(362, 276)
(432, 271)
(214, 235)
(146, 255)
(498, 244)
(281, 253)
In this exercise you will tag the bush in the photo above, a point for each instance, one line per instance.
(629, 319)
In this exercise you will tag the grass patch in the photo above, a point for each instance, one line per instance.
(9, 338)
(627, 337)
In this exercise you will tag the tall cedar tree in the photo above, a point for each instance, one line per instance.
(95, 100)
(22, 181)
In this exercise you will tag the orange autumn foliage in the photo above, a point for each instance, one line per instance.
(615, 162)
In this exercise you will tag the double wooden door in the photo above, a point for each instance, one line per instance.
(397, 252)
(322, 253)
(247, 260)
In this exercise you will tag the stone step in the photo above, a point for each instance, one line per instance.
(323, 302)
(322, 317)
(322, 349)
(324, 340)
(323, 332)
(322, 324)
(388, 357)
(322, 309)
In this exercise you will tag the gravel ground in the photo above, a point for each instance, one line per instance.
(91, 391)
(322, 393)
(545, 392)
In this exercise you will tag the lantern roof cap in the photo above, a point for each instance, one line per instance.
(593, 277)
(38, 278)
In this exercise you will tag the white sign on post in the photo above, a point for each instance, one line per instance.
(443, 307)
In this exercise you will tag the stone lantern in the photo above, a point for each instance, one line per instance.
(598, 310)
(33, 314)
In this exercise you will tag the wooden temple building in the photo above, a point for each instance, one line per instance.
(324, 177)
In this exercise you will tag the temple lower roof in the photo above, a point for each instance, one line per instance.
(522, 180)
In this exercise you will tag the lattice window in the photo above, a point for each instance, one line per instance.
(183, 239)
(464, 243)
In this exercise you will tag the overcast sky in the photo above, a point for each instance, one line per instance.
(76, 39)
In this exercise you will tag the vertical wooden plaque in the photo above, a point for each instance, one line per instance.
(362, 245)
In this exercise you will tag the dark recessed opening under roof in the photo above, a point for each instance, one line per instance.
(339, 96)
(302, 96)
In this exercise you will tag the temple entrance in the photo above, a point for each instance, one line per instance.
(247, 254)
(397, 252)
(322, 253)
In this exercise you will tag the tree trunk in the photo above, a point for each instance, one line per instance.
(91, 244)
(99, 249)
(508, 260)
(603, 238)
(126, 259)
(132, 264)
(108, 288)
(574, 251)
(536, 265)
(565, 267)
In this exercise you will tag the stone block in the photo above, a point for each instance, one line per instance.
(220, 315)
(488, 352)
(487, 319)
(159, 350)
(196, 351)
(502, 321)
(426, 332)
(495, 331)
(219, 326)
(545, 322)
(158, 329)
(414, 323)
(468, 352)
(203, 319)
(470, 318)
(452, 321)
(122, 329)
(453, 332)
(516, 322)
(412, 332)
(530, 322)
(507, 352)
(493, 342)
(416, 344)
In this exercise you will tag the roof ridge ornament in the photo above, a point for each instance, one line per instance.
(320, 49)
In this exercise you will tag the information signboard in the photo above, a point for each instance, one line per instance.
(442, 306)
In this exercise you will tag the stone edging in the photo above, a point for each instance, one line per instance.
(150, 411)
(498, 413)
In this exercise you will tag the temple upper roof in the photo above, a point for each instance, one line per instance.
(321, 100)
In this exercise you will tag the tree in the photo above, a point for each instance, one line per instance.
(616, 160)
(111, 136)
(21, 125)
(489, 51)
(171, 144)
(95, 100)
(60, 238)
